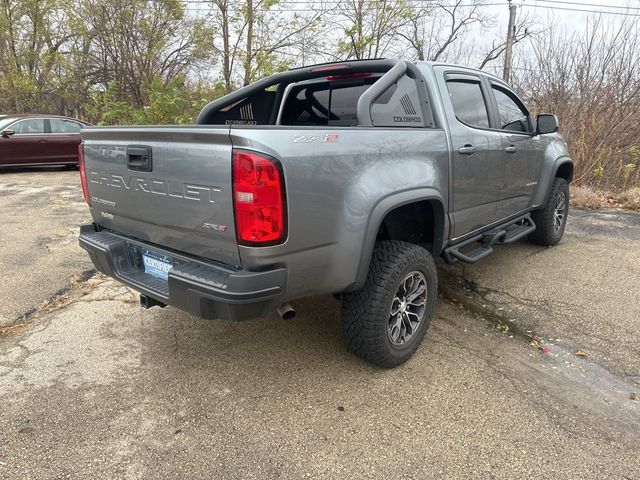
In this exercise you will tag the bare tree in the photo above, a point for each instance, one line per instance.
(254, 37)
(434, 28)
(591, 80)
(524, 29)
(369, 26)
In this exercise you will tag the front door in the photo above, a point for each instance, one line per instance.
(524, 152)
(477, 153)
(26, 145)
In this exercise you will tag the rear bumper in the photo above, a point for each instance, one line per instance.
(196, 286)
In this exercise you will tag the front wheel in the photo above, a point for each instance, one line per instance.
(385, 321)
(551, 219)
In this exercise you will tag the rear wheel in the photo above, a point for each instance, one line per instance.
(385, 321)
(551, 219)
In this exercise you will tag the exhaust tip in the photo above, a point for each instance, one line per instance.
(286, 312)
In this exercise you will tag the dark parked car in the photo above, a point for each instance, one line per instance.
(39, 140)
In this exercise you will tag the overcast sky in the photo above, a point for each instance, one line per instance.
(567, 13)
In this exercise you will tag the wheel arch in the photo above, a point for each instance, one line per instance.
(561, 167)
(388, 218)
(565, 170)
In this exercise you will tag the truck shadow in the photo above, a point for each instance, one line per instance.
(267, 347)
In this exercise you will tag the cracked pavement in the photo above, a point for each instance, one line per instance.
(581, 294)
(94, 387)
(41, 210)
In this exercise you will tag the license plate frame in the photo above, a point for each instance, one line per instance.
(156, 264)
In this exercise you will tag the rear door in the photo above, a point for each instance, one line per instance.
(63, 140)
(524, 152)
(27, 145)
(166, 185)
(477, 163)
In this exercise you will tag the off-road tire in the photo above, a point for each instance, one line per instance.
(547, 233)
(366, 312)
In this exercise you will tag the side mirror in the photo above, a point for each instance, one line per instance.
(7, 133)
(547, 123)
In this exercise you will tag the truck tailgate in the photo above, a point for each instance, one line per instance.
(166, 185)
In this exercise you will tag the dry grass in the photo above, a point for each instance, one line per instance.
(587, 197)
(630, 199)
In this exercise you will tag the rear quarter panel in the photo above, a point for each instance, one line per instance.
(335, 179)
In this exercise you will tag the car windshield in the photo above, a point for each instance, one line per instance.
(4, 121)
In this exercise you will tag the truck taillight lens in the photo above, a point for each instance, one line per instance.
(259, 199)
(83, 174)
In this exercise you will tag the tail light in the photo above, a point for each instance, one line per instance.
(259, 199)
(83, 174)
(331, 66)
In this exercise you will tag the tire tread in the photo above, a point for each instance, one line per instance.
(545, 233)
(363, 310)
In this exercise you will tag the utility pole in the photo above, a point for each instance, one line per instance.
(506, 72)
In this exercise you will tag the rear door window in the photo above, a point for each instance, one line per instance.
(29, 126)
(468, 102)
(62, 125)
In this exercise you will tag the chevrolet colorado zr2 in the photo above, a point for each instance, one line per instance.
(344, 178)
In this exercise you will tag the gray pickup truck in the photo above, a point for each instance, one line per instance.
(343, 178)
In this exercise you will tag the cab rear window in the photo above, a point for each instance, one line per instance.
(323, 104)
(335, 103)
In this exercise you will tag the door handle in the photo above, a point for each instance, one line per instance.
(42, 140)
(511, 149)
(139, 158)
(468, 149)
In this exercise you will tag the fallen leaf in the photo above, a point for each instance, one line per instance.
(634, 396)
(581, 354)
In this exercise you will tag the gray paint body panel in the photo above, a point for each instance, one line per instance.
(189, 186)
(333, 190)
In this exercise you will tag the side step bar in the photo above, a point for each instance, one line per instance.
(481, 245)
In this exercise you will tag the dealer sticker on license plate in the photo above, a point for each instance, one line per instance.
(156, 264)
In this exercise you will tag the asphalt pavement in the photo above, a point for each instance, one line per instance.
(92, 386)
(582, 295)
(41, 209)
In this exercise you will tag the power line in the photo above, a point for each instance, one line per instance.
(569, 9)
(337, 2)
(437, 4)
(555, 6)
(581, 4)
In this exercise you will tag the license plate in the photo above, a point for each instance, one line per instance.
(156, 264)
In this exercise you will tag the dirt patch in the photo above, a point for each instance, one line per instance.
(16, 329)
(79, 286)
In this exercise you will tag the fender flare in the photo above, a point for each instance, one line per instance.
(380, 211)
(549, 171)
